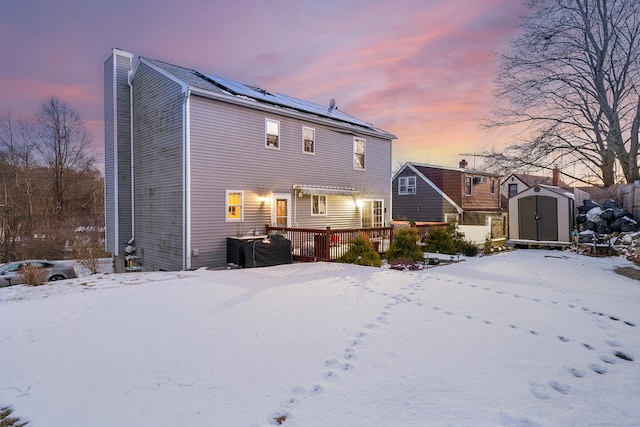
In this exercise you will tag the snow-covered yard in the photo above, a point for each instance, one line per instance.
(524, 338)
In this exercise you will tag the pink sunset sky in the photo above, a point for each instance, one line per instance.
(420, 69)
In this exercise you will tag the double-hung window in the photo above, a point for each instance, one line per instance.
(234, 201)
(318, 204)
(358, 153)
(272, 134)
(308, 140)
(468, 185)
(407, 185)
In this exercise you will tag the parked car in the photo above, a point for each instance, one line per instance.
(13, 273)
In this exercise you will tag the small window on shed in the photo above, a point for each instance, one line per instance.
(358, 153)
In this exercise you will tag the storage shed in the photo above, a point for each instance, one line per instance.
(542, 214)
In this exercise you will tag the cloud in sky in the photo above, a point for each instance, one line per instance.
(421, 69)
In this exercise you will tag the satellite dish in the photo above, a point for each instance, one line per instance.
(332, 105)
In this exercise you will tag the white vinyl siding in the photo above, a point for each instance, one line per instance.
(227, 152)
(158, 116)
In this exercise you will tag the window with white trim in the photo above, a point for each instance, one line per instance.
(372, 213)
(407, 185)
(308, 140)
(359, 146)
(272, 134)
(318, 204)
(234, 201)
(468, 185)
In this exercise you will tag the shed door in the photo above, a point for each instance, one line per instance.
(538, 218)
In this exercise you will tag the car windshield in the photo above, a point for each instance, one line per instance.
(8, 267)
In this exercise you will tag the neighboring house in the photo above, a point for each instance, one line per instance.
(518, 182)
(542, 213)
(429, 193)
(192, 159)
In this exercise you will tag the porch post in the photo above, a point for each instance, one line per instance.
(327, 245)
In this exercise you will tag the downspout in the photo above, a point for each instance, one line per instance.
(186, 182)
(116, 196)
(131, 160)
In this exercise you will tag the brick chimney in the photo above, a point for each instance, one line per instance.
(463, 164)
(556, 177)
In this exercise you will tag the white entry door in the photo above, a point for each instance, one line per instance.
(281, 211)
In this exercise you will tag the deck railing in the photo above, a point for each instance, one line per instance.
(327, 244)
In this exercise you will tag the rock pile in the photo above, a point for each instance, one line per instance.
(609, 226)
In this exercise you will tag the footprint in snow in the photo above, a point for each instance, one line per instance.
(608, 359)
(532, 332)
(559, 387)
(355, 343)
(371, 326)
(563, 339)
(621, 355)
(578, 373)
(613, 343)
(346, 367)
(292, 402)
(540, 391)
(299, 390)
(330, 362)
(329, 375)
(316, 390)
(629, 323)
(598, 369)
(361, 334)
(588, 346)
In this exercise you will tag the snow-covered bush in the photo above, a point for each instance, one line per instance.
(361, 252)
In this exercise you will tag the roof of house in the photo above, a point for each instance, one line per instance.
(531, 180)
(420, 166)
(227, 87)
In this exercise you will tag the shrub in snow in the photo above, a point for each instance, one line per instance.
(6, 420)
(361, 252)
(405, 247)
(440, 241)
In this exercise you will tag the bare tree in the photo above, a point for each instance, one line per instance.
(63, 144)
(572, 79)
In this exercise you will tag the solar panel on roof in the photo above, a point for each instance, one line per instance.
(285, 101)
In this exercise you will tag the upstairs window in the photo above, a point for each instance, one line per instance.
(468, 185)
(513, 190)
(234, 201)
(358, 153)
(308, 140)
(272, 137)
(407, 185)
(493, 186)
(318, 204)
